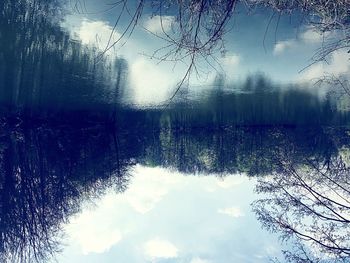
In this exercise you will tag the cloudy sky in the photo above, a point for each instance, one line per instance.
(280, 49)
(212, 222)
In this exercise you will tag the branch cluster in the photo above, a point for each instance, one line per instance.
(310, 205)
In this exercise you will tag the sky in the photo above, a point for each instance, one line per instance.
(166, 216)
(280, 49)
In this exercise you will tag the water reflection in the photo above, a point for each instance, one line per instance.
(67, 137)
(46, 75)
(44, 72)
(46, 173)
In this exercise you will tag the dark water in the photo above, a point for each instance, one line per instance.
(245, 173)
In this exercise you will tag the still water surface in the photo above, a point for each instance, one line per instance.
(239, 172)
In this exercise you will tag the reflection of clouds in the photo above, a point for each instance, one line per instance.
(281, 46)
(311, 36)
(337, 62)
(199, 260)
(234, 211)
(151, 83)
(158, 248)
(307, 37)
(336, 65)
(96, 33)
(158, 24)
(149, 89)
(230, 60)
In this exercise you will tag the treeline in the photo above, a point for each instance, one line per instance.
(258, 102)
(255, 102)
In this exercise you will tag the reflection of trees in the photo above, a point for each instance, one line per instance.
(309, 204)
(195, 29)
(43, 71)
(44, 175)
(255, 102)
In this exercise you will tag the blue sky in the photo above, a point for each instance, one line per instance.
(253, 45)
(165, 216)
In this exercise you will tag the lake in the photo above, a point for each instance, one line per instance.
(106, 157)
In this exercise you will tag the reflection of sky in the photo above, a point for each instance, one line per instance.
(165, 216)
(280, 49)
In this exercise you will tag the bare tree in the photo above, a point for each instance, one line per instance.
(329, 18)
(309, 205)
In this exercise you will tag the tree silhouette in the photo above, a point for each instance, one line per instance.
(44, 176)
(309, 205)
(44, 72)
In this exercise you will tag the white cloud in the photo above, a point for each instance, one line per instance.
(311, 36)
(115, 225)
(232, 211)
(337, 62)
(149, 189)
(230, 65)
(230, 181)
(143, 198)
(199, 260)
(231, 60)
(151, 82)
(99, 242)
(91, 235)
(96, 33)
(158, 24)
(337, 65)
(282, 46)
(158, 248)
